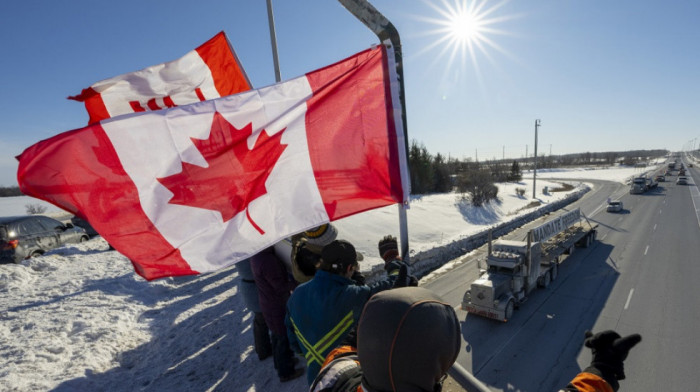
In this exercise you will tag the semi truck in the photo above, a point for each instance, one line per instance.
(639, 185)
(516, 268)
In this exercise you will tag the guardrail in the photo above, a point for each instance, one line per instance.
(424, 262)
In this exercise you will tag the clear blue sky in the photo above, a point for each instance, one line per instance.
(601, 75)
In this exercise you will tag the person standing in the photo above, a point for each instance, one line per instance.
(274, 288)
(249, 290)
(323, 311)
(306, 250)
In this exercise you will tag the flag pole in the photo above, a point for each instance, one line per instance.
(389, 37)
(273, 41)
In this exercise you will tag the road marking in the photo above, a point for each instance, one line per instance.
(603, 237)
(629, 297)
(695, 195)
(654, 227)
(646, 250)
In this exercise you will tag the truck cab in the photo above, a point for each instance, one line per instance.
(509, 277)
(639, 185)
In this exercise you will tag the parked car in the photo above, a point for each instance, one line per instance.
(80, 222)
(682, 180)
(614, 206)
(22, 237)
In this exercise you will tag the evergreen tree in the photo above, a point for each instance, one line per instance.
(515, 173)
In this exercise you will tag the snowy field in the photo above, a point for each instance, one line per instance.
(80, 319)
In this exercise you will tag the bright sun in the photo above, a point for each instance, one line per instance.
(465, 27)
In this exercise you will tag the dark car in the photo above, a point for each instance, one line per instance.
(22, 237)
(80, 222)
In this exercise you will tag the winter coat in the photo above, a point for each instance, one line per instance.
(408, 339)
(342, 372)
(588, 382)
(247, 286)
(322, 311)
(274, 288)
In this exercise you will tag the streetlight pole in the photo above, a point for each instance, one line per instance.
(534, 173)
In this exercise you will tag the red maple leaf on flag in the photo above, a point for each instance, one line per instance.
(235, 175)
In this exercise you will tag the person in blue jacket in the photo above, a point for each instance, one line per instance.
(322, 311)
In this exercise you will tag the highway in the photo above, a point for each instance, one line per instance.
(641, 276)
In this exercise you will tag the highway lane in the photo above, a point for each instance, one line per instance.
(636, 278)
(658, 294)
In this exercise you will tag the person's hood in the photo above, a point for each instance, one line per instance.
(407, 339)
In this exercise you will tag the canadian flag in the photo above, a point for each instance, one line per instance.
(210, 71)
(217, 181)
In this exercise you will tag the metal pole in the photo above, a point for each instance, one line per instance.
(389, 36)
(273, 40)
(466, 379)
(534, 173)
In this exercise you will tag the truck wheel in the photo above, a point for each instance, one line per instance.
(546, 280)
(554, 271)
(587, 241)
(509, 310)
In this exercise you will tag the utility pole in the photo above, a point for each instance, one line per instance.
(534, 173)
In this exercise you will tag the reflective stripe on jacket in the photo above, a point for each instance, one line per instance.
(322, 311)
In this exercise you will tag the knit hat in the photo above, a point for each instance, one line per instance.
(338, 255)
(321, 235)
(407, 339)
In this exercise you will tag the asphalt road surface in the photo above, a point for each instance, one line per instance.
(641, 276)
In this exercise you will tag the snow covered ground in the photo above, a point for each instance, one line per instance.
(80, 319)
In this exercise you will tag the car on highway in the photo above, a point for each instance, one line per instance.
(682, 180)
(660, 178)
(22, 237)
(614, 206)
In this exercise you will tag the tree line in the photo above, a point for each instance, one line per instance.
(476, 180)
(7, 191)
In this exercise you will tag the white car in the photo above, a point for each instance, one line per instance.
(614, 206)
(682, 180)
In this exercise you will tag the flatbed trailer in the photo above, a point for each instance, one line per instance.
(515, 268)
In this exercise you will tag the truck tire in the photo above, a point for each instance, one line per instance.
(546, 280)
(555, 271)
(509, 310)
(587, 241)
